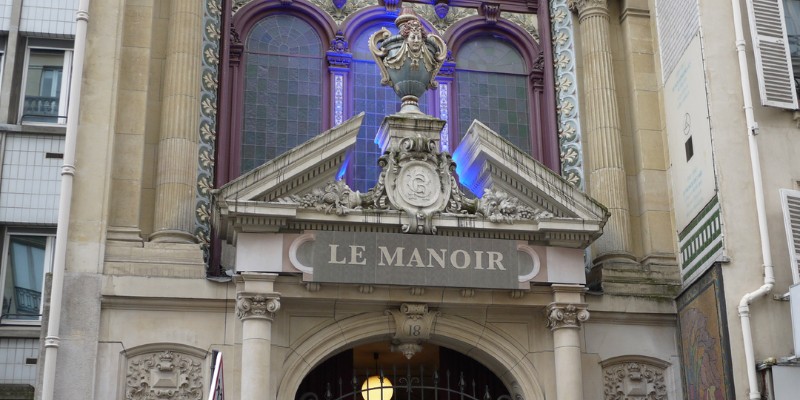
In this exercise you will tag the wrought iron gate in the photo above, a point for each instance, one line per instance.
(408, 386)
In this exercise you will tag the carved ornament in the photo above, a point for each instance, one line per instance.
(442, 16)
(525, 21)
(634, 381)
(410, 60)
(560, 315)
(413, 325)
(164, 375)
(589, 7)
(257, 306)
(490, 12)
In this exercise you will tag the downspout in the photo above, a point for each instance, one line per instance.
(766, 255)
(52, 339)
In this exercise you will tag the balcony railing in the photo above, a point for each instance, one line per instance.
(43, 106)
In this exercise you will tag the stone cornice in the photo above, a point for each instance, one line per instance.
(257, 305)
(566, 315)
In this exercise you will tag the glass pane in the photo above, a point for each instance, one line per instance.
(490, 54)
(43, 86)
(283, 92)
(22, 294)
(792, 14)
(493, 88)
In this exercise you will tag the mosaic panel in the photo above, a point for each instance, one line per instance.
(569, 127)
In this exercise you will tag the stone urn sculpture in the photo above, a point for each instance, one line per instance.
(410, 60)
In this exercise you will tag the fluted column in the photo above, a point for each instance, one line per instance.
(256, 305)
(177, 146)
(565, 319)
(607, 179)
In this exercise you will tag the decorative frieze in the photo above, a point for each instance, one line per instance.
(257, 306)
(164, 375)
(561, 315)
(634, 380)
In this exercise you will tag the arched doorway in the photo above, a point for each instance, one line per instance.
(373, 371)
(493, 349)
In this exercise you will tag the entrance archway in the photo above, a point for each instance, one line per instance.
(374, 371)
(487, 346)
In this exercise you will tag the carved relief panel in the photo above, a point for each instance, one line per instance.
(634, 378)
(163, 375)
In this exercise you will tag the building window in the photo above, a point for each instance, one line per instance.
(46, 86)
(282, 88)
(492, 84)
(792, 11)
(26, 258)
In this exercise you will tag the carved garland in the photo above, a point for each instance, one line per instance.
(165, 375)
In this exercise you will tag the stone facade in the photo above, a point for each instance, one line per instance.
(169, 266)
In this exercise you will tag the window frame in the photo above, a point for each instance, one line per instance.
(63, 102)
(49, 255)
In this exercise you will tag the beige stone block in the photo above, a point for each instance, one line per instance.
(160, 37)
(149, 166)
(128, 156)
(636, 236)
(134, 68)
(646, 108)
(628, 153)
(644, 72)
(148, 205)
(125, 207)
(650, 149)
(138, 25)
(653, 190)
(658, 232)
(132, 112)
(633, 195)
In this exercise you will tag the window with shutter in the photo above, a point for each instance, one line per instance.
(790, 201)
(773, 65)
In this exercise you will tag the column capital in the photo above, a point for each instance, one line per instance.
(257, 305)
(566, 315)
(587, 8)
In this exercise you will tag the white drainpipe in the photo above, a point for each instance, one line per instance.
(766, 255)
(65, 202)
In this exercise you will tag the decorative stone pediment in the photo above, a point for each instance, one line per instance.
(417, 190)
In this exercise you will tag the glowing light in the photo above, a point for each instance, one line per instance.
(377, 388)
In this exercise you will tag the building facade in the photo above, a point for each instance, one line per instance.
(583, 208)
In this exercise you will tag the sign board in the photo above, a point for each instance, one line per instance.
(403, 259)
(689, 136)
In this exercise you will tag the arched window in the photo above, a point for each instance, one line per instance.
(492, 86)
(283, 96)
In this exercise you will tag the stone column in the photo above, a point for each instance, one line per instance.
(607, 179)
(256, 305)
(180, 114)
(564, 319)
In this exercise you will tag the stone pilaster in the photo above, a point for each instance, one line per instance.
(607, 172)
(129, 130)
(177, 147)
(564, 317)
(256, 305)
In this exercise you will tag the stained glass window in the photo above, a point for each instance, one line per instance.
(282, 88)
(492, 86)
